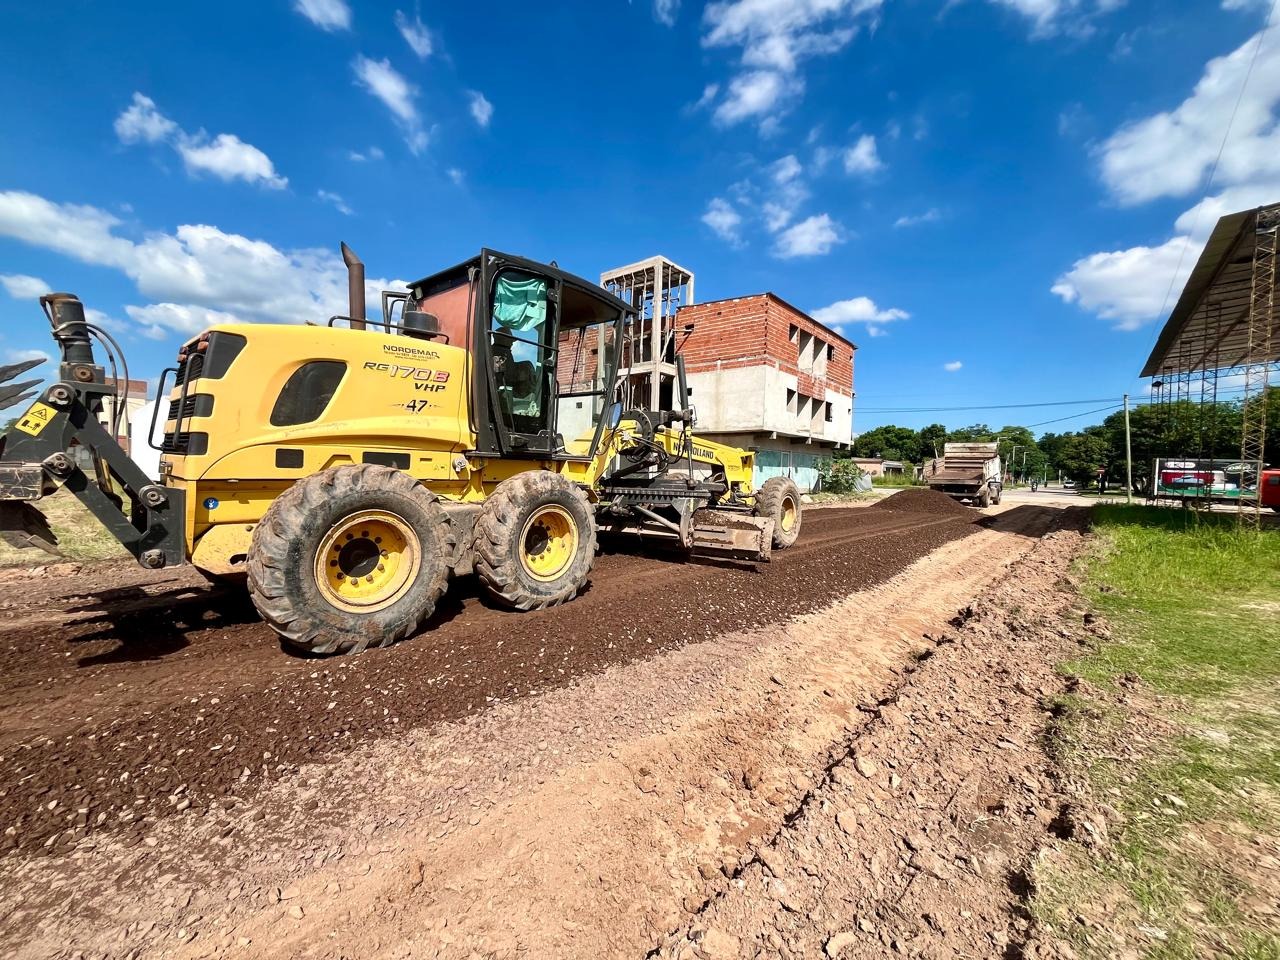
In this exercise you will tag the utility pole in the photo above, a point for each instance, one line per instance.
(1128, 455)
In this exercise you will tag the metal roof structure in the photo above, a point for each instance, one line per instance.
(1209, 328)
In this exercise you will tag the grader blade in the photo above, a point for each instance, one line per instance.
(738, 536)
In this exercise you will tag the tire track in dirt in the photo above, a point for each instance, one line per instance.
(175, 696)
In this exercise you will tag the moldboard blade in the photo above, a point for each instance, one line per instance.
(731, 534)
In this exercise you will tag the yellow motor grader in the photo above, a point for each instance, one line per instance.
(347, 471)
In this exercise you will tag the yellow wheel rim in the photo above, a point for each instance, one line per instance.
(548, 542)
(789, 514)
(367, 561)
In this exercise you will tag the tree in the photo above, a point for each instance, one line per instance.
(931, 440)
(975, 433)
(889, 442)
(1083, 454)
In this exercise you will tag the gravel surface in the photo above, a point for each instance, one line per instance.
(130, 697)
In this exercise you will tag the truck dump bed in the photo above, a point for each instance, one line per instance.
(966, 471)
(964, 463)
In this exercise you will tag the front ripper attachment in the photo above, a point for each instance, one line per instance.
(58, 442)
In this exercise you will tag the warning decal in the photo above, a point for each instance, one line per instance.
(35, 419)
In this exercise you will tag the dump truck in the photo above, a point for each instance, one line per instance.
(967, 471)
(347, 471)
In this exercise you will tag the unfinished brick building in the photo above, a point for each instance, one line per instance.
(762, 374)
(766, 376)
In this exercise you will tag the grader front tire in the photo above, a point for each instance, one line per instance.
(779, 501)
(535, 541)
(350, 558)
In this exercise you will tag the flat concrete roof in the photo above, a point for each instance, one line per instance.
(1208, 328)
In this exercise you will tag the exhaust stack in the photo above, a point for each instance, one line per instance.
(355, 287)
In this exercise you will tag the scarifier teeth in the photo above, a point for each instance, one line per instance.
(9, 396)
(12, 370)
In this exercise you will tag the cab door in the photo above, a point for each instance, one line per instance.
(518, 349)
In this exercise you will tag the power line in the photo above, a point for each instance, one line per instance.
(1074, 416)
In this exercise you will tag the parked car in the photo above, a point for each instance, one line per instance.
(1068, 484)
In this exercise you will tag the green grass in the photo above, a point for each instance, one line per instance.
(1194, 604)
(80, 535)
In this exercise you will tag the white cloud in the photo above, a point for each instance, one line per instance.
(415, 34)
(195, 266)
(481, 108)
(334, 200)
(157, 320)
(786, 169)
(373, 153)
(1128, 286)
(1169, 154)
(755, 94)
(226, 156)
(775, 36)
(142, 122)
(858, 310)
(326, 14)
(721, 217)
(23, 287)
(665, 11)
(952, 366)
(1050, 17)
(788, 193)
(808, 238)
(862, 159)
(399, 96)
(456, 175)
(22, 356)
(932, 215)
(708, 95)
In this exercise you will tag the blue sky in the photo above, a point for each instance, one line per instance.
(991, 197)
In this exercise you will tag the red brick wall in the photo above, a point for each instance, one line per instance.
(749, 331)
(727, 330)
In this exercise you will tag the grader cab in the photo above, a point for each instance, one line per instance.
(347, 471)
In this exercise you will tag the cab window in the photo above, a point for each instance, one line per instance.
(522, 355)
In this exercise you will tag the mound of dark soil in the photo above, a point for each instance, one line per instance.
(921, 500)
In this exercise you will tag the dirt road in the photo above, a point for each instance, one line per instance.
(171, 779)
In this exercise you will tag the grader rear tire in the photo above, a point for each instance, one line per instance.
(535, 541)
(779, 500)
(350, 558)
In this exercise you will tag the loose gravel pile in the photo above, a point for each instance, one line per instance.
(919, 500)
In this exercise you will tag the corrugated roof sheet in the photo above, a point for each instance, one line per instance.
(1208, 328)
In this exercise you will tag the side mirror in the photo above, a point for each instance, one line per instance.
(613, 416)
